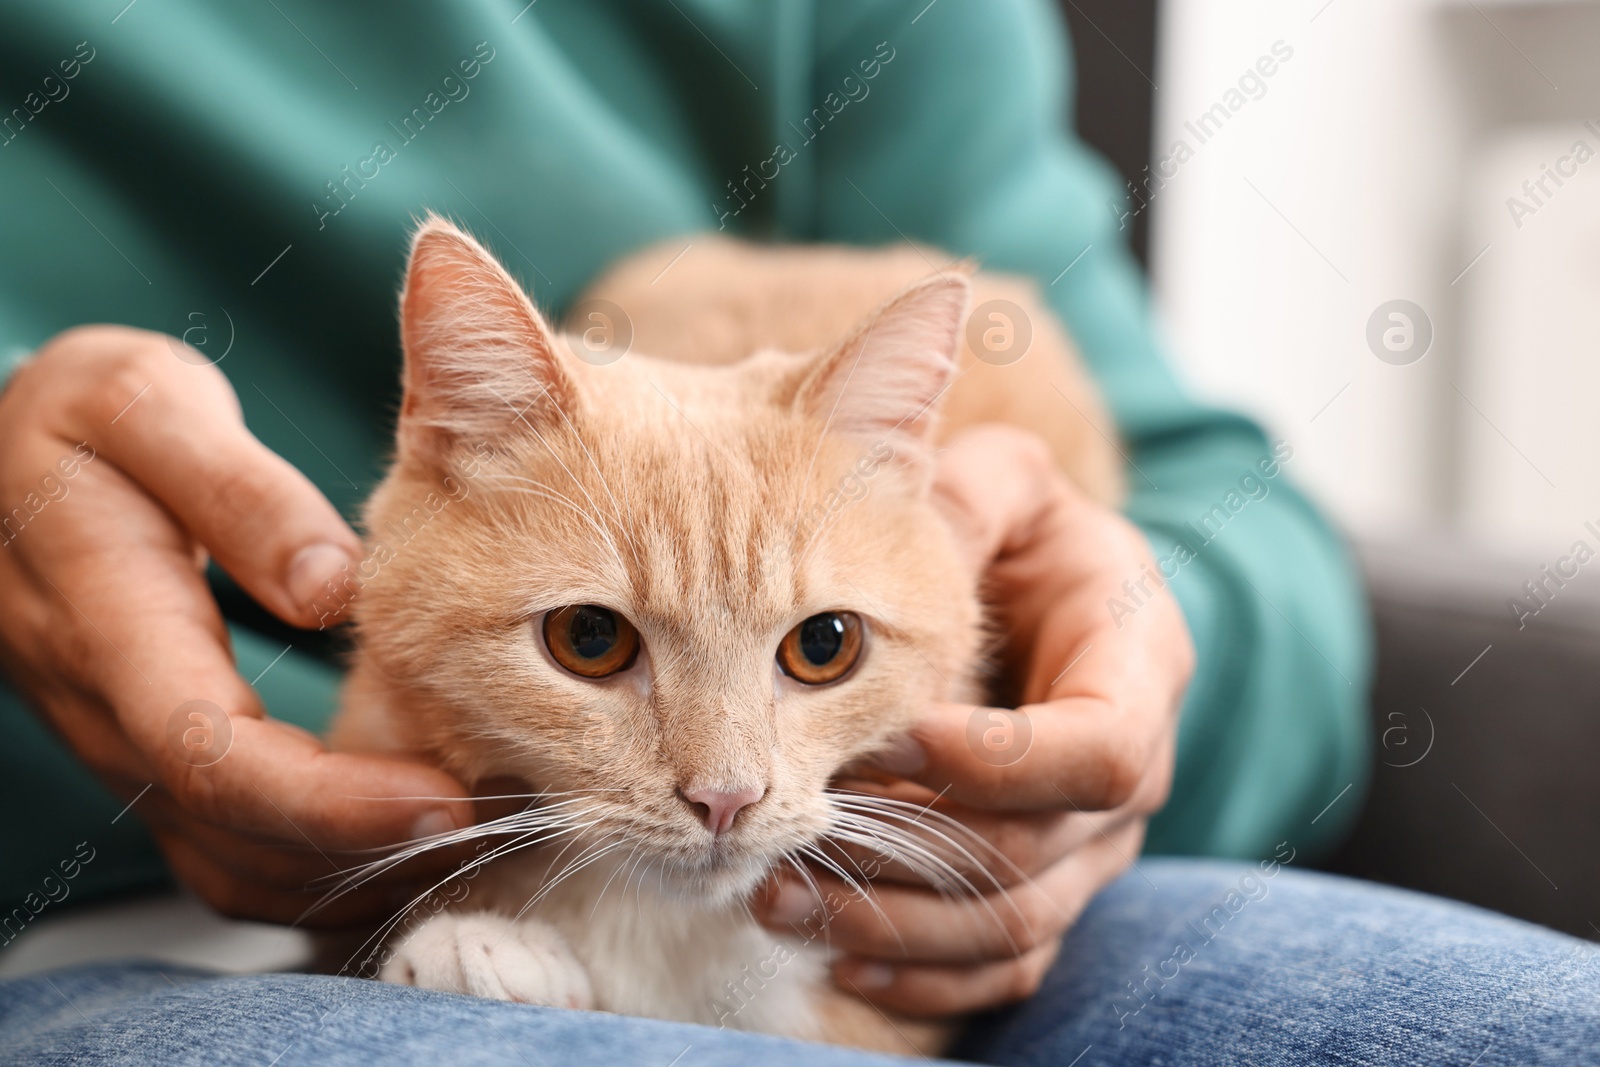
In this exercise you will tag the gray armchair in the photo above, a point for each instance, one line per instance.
(1486, 782)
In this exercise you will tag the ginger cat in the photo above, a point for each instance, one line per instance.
(675, 593)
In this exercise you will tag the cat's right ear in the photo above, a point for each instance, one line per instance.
(885, 379)
(479, 358)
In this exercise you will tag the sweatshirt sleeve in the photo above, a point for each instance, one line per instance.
(962, 139)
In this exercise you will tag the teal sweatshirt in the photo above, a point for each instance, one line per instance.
(245, 175)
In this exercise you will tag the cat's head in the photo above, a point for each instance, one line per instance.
(683, 595)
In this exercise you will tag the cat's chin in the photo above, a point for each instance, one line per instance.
(714, 879)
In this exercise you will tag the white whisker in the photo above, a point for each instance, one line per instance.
(859, 818)
(383, 932)
(584, 859)
(551, 820)
(601, 895)
(898, 810)
(863, 892)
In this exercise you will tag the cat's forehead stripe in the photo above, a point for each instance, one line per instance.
(703, 524)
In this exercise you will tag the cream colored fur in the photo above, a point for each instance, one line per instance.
(694, 486)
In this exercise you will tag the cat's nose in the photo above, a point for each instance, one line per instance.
(717, 808)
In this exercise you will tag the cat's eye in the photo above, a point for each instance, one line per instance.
(822, 648)
(590, 641)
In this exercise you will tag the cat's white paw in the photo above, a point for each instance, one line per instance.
(491, 956)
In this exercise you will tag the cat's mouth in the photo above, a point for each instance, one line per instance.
(714, 875)
(713, 869)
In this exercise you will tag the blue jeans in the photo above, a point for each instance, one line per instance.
(1177, 962)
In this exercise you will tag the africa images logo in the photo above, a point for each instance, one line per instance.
(452, 88)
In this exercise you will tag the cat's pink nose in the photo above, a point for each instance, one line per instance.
(717, 808)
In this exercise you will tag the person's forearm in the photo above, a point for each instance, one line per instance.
(1274, 728)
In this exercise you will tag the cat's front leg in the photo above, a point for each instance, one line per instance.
(488, 955)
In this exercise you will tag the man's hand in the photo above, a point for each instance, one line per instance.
(1060, 789)
(107, 626)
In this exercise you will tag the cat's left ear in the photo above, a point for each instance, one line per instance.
(479, 358)
(886, 378)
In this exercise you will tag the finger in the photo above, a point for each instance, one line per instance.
(1081, 753)
(923, 990)
(1101, 741)
(144, 629)
(279, 780)
(295, 865)
(913, 828)
(906, 923)
(1054, 562)
(268, 866)
(988, 849)
(175, 430)
(239, 898)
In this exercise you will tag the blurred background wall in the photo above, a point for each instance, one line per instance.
(1445, 153)
(1386, 160)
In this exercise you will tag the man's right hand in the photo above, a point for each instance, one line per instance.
(107, 625)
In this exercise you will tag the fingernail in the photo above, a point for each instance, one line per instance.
(900, 755)
(870, 975)
(312, 569)
(793, 904)
(429, 823)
